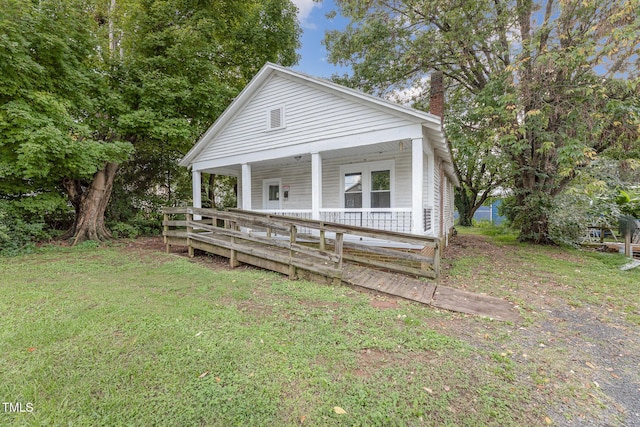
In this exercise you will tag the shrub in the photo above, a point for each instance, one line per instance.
(27, 221)
(121, 229)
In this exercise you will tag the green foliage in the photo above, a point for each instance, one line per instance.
(52, 102)
(84, 83)
(183, 63)
(46, 129)
(26, 220)
(538, 85)
(629, 202)
(16, 235)
(121, 229)
(596, 198)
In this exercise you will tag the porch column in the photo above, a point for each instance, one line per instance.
(417, 185)
(316, 185)
(246, 186)
(196, 185)
(431, 189)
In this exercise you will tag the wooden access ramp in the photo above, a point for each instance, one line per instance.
(430, 293)
(319, 251)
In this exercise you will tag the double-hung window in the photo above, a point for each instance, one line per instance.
(367, 185)
(353, 190)
(381, 189)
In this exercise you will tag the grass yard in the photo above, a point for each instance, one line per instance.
(118, 335)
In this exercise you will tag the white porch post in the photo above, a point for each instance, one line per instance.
(196, 187)
(246, 186)
(417, 185)
(431, 193)
(316, 185)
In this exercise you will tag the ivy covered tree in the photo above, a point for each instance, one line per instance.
(537, 77)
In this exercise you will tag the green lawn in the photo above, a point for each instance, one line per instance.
(110, 336)
(579, 277)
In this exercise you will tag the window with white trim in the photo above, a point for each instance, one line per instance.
(275, 118)
(381, 189)
(353, 190)
(367, 185)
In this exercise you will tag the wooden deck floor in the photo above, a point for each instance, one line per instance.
(429, 293)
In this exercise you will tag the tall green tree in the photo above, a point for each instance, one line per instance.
(86, 85)
(55, 136)
(184, 62)
(480, 165)
(536, 73)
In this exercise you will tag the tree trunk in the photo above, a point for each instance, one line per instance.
(534, 205)
(464, 206)
(468, 202)
(90, 204)
(536, 231)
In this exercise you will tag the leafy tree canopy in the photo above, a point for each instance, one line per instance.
(86, 85)
(183, 62)
(50, 95)
(542, 79)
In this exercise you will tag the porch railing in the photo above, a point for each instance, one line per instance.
(387, 219)
(390, 219)
(256, 238)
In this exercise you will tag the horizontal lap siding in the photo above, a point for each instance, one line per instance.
(331, 177)
(436, 198)
(310, 115)
(296, 176)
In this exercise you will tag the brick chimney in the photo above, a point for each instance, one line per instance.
(436, 101)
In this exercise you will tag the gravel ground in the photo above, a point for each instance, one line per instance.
(611, 352)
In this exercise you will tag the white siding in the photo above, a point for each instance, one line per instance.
(426, 204)
(331, 182)
(297, 176)
(310, 115)
(450, 205)
(437, 199)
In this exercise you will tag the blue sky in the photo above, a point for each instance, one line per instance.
(314, 23)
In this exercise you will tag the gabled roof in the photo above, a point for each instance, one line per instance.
(431, 123)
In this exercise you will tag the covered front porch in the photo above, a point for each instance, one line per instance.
(387, 186)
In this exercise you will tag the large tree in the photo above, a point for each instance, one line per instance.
(536, 75)
(55, 133)
(481, 166)
(184, 61)
(86, 83)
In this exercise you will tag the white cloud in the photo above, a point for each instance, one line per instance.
(305, 7)
(407, 96)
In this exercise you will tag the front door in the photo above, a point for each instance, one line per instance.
(271, 194)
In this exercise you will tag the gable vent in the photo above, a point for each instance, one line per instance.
(275, 118)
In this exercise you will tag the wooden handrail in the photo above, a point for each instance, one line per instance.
(342, 228)
(239, 223)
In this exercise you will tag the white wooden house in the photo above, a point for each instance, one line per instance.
(307, 147)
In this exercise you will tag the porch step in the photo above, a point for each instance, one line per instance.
(430, 293)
